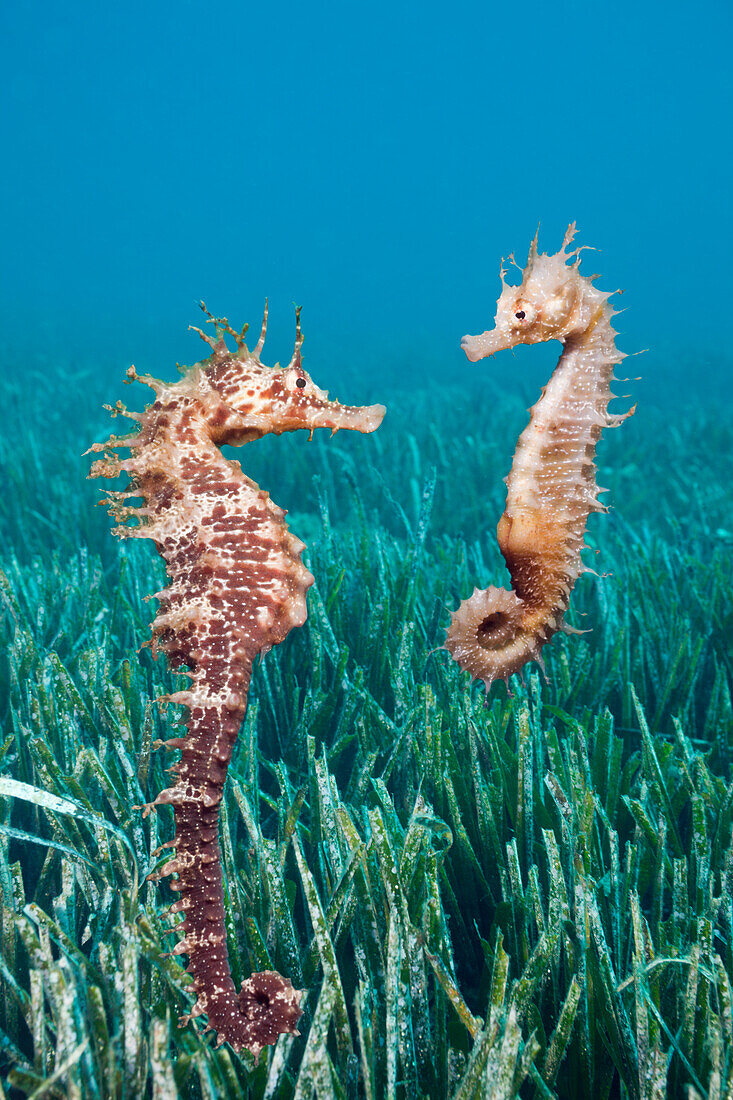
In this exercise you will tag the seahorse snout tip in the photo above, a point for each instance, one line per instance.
(477, 347)
(373, 417)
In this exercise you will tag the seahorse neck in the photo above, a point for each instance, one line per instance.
(587, 361)
(595, 344)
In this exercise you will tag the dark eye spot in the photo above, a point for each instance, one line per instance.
(300, 383)
(521, 315)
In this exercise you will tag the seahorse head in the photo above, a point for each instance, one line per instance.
(255, 400)
(551, 303)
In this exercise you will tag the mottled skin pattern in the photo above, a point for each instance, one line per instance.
(551, 488)
(237, 587)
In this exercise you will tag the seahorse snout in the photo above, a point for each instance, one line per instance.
(356, 418)
(480, 347)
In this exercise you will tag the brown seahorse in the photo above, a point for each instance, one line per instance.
(237, 587)
(551, 488)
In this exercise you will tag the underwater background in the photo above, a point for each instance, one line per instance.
(526, 896)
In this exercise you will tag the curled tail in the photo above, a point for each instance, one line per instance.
(267, 1005)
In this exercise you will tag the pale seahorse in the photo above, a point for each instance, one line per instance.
(237, 587)
(551, 488)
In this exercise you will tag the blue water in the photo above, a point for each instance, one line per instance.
(371, 162)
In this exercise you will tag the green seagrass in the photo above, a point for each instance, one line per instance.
(529, 898)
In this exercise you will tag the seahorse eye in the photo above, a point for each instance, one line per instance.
(520, 315)
(300, 383)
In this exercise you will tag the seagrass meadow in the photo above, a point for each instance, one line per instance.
(529, 896)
